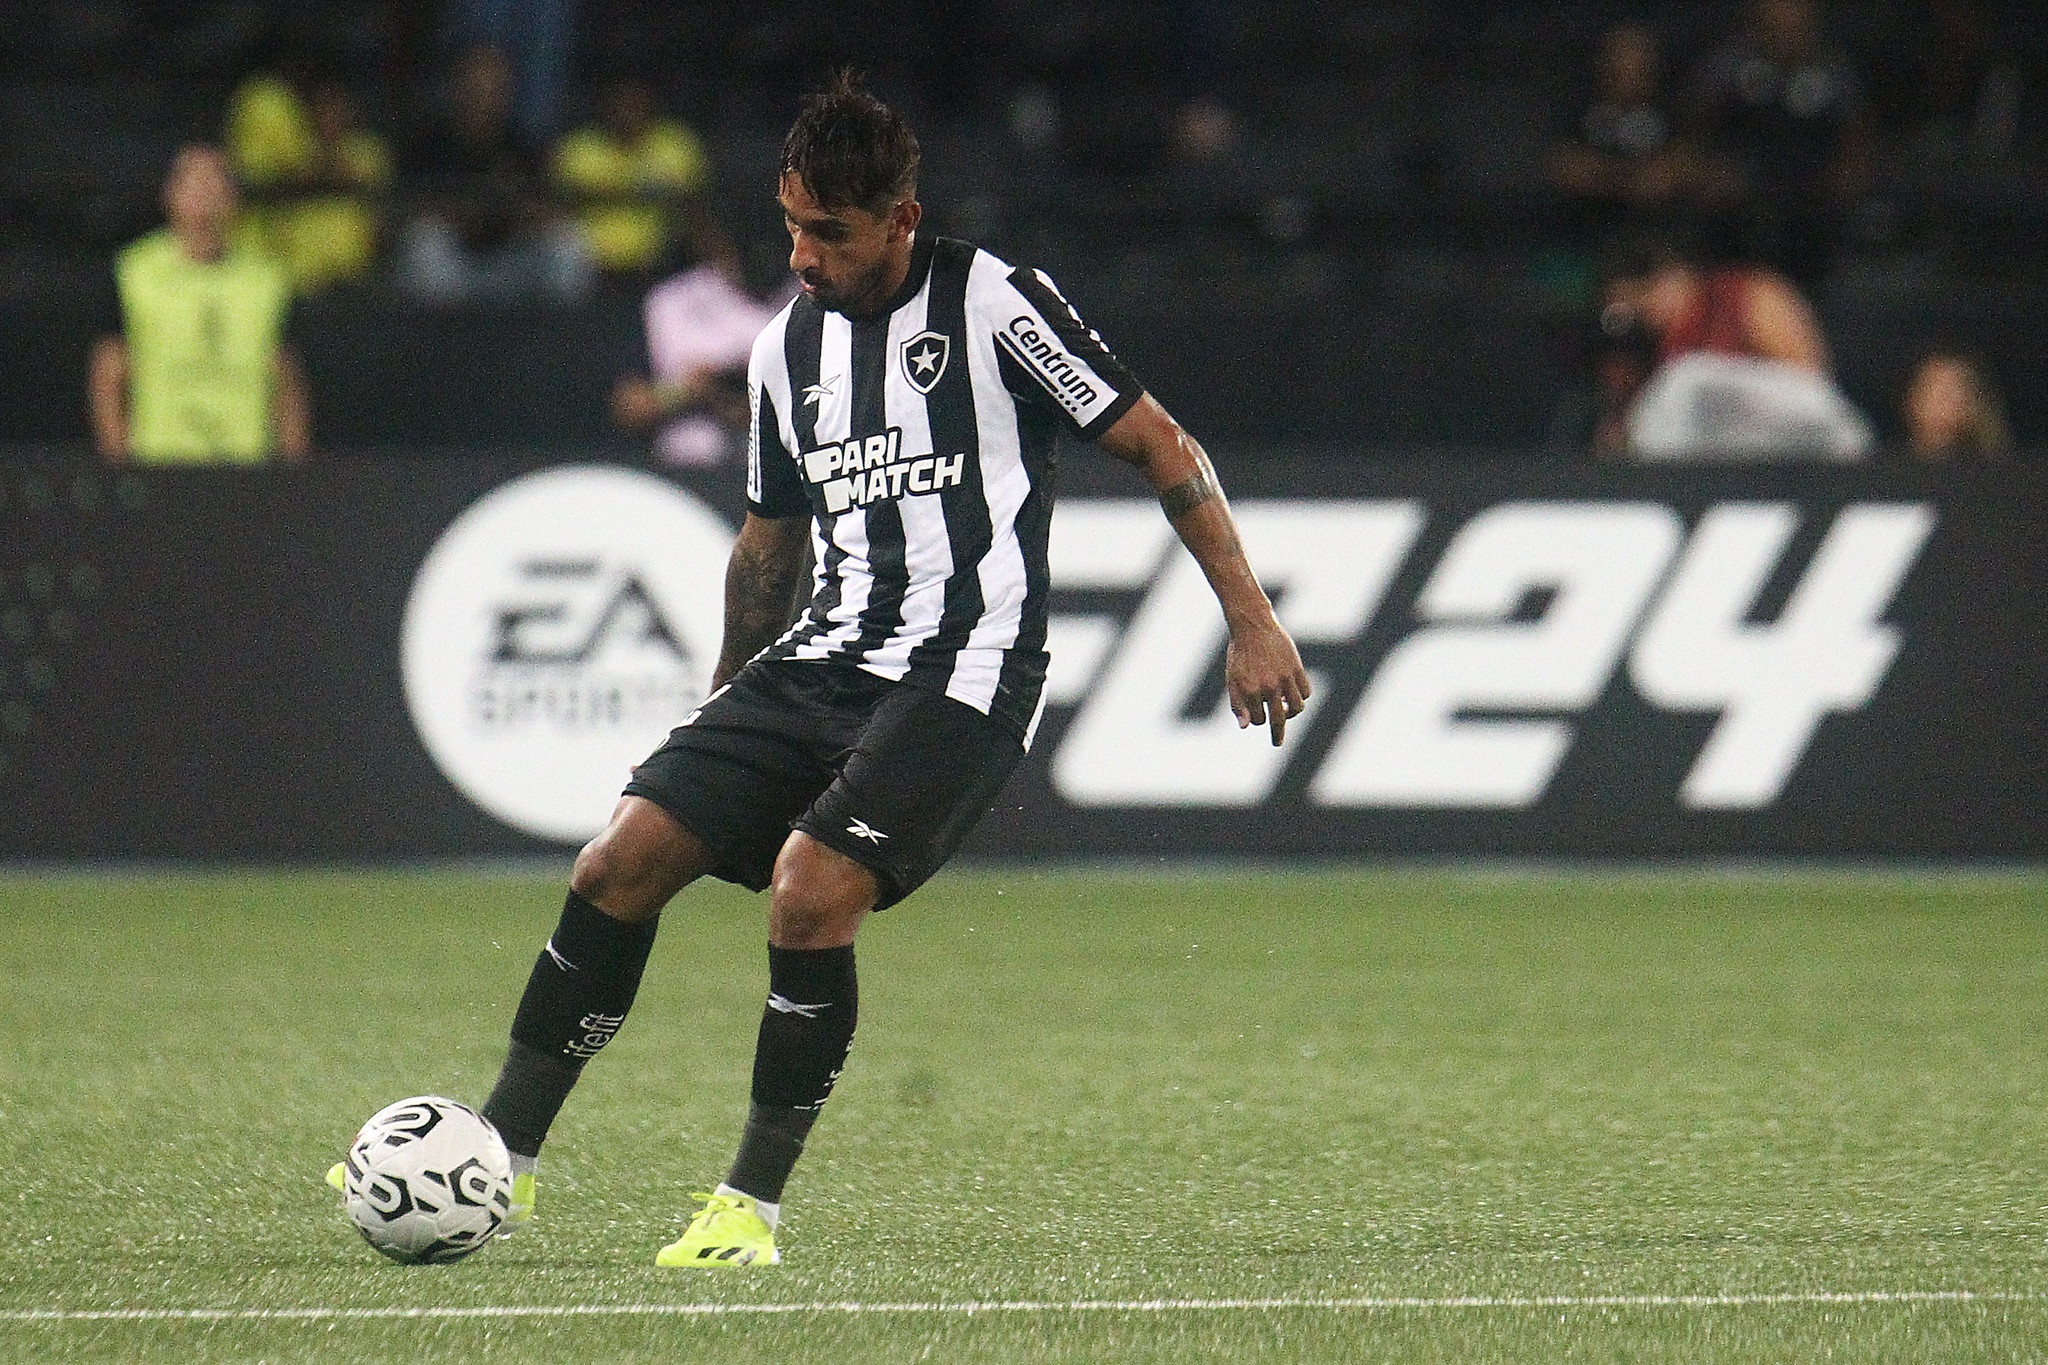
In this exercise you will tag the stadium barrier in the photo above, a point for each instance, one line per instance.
(416, 657)
(1456, 362)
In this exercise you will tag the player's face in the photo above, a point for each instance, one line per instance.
(845, 258)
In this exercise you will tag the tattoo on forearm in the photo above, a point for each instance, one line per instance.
(1190, 493)
(760, 602)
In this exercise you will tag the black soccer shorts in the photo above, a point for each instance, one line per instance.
(893, 776)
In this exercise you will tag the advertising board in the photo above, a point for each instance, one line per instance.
(378, 658)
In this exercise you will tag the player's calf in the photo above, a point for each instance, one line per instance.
(576, 1000)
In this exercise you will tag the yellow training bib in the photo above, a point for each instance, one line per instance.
(201, 340)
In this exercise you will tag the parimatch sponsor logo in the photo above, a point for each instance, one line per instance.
(870, 469)
(1529, 616)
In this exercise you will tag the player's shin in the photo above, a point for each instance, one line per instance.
(582, 985)
(806, 1029)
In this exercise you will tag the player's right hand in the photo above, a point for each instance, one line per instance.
(1263, 672)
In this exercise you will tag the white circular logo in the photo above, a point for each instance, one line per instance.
(562, 625)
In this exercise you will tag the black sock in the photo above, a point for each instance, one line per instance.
(806, 1029)
(769, 1146)
(581, 988)
(531, 1089)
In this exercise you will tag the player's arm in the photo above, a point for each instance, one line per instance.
(107, 398)
(1782, 328)
(761, 581)
(769, 557)
(1261, 666)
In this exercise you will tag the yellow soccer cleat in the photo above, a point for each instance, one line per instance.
(730, 1232)
(337, 1176)
(522, 1202)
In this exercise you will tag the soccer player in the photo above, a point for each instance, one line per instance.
(905, 408)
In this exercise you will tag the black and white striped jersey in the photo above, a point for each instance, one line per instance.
(920, 440)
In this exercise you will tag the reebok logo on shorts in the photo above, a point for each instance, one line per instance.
(861, 829)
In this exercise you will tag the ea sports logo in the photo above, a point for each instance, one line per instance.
(562, 625)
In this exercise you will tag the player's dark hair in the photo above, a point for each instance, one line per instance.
(848, 149)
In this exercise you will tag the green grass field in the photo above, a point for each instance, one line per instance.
(1402, 1105)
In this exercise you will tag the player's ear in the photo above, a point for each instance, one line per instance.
(904, 218)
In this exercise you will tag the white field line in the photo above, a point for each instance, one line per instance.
(971, 1307)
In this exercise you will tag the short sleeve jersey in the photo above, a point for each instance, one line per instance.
(921, 440)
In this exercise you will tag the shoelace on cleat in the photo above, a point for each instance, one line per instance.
(715, 1206)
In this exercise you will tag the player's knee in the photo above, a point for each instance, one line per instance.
(594, 871)
(799, 919)
(621, 876)
(819, 896)
(602, 877)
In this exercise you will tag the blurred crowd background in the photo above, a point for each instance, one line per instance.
(1338, 227)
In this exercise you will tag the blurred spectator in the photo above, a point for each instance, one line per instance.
(1725, 362)
(701, 327)
(1951, 410)
(316, 173)
(536, 36)
(1963, 96)
(634, 175)
(1779, 110)
(483, 227)
(1618, 156)
(1206, 130)
(201, 369)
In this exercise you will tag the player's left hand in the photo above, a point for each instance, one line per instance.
(1262, 669)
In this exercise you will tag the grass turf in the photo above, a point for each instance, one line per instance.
(1070, 1087)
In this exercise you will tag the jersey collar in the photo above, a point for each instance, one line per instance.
(913, 279)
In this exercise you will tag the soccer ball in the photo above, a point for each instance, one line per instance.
(427, 1180)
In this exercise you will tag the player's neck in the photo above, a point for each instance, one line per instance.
(888, 288)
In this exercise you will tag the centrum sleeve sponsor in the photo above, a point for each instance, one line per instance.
(1069, 380)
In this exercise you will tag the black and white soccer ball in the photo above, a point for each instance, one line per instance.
(427, 1180)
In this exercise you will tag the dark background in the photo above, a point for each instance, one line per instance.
(1381, 230)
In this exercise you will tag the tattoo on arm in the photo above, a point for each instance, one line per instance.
(1190, 493)
(760, 601)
